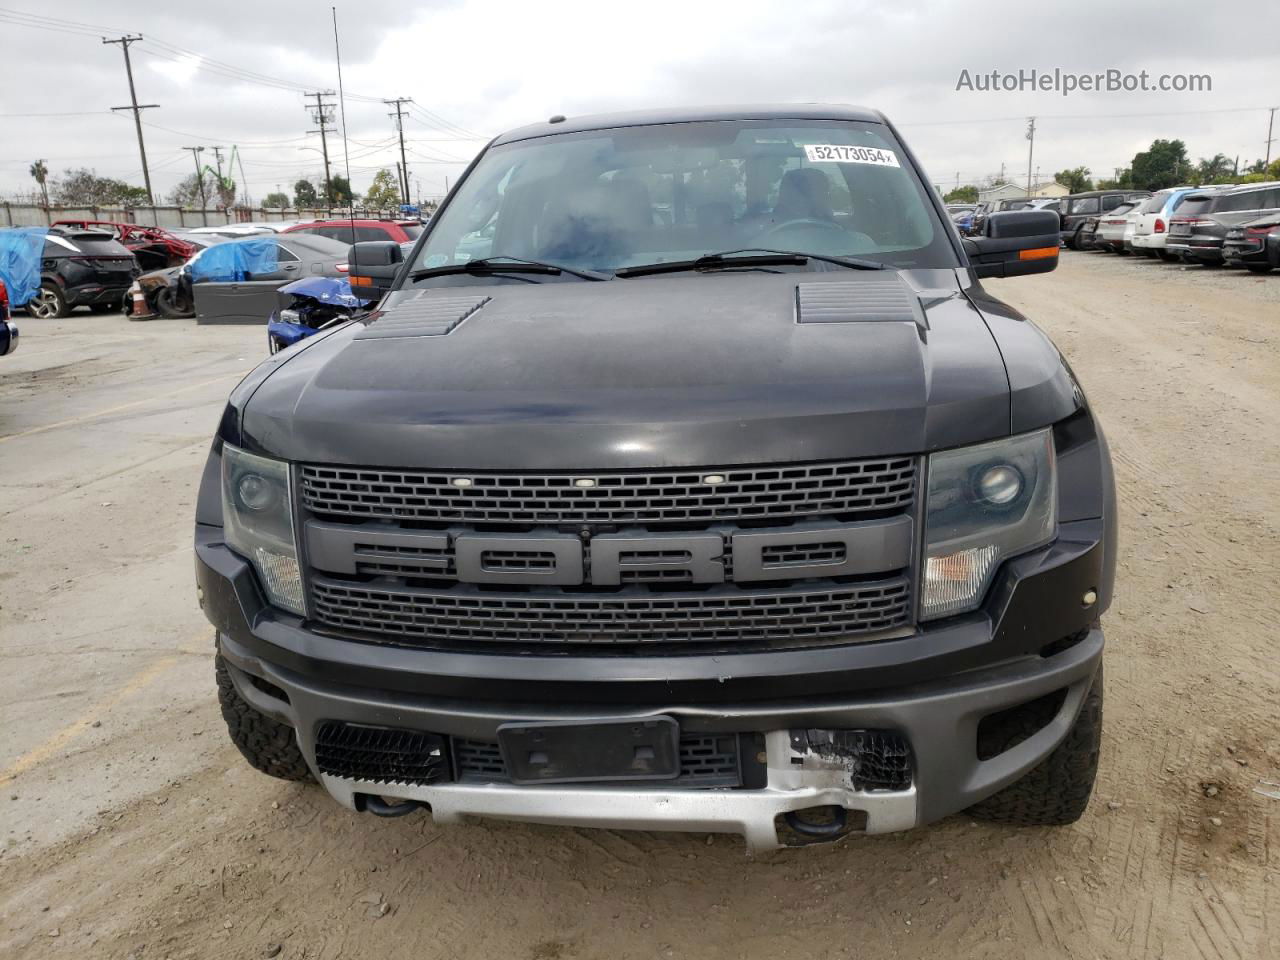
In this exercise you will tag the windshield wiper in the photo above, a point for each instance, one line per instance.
(489, 265)
(727, 260)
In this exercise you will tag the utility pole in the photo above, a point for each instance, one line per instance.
(1031, 136)
(322, 117)
(136, 107)
(217, 153)
(204, 202)
(399, 102)
(1270, 140)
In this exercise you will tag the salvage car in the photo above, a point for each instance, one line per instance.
(358, 230)
(82, 268)
(721, 497)
(1114, 231)
(310, 305)
(249, 296)
(1078, 208)
(1255, 244)
(1196, 234)
(153, 247)
(158, 292)
(1151, 226)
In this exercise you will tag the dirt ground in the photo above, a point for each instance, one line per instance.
(133, 829)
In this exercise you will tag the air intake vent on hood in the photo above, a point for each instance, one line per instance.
(855, 301)
(423, 316)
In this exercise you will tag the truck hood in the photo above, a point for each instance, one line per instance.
(683, 370)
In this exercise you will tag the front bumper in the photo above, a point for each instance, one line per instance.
(933, 688)
(941, 722)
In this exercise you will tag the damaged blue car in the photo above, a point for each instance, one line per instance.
(308, 306)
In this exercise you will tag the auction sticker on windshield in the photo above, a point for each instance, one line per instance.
(834, 153)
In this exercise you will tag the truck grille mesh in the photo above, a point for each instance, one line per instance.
(653, 497)
(379, 754)
(423, 617)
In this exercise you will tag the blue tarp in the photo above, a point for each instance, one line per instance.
(236, 259)
(21, 250)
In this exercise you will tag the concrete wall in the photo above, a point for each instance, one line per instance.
(175, 218)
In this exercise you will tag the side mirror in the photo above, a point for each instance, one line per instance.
(372, 266)
(1015, 243)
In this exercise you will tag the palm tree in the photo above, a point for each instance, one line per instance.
(40, 173)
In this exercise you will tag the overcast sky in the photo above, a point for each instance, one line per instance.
(476, 68)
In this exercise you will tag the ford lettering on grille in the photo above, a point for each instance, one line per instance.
(564, 559)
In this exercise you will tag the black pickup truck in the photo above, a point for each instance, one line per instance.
(685, 477)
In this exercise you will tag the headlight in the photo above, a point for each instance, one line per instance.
(289, 316)
(257, 514)
(986, 503)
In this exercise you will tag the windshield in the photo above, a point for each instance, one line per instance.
(605, 199)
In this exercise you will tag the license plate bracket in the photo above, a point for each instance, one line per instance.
(597, 751)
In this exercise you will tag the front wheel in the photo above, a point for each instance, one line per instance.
(49, 303)
(1056, 792)
(173, 304)
(269, 745)
(1259, 267)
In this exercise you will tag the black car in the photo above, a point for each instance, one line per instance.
(82, 268)
(1077, 209)
(1197, 233)
(720, 495)
(1255, 244)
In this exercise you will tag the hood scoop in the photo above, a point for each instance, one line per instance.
(858, 301)
(423, 316)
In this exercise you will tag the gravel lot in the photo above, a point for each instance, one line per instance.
(133, 829)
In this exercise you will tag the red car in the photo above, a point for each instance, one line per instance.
(401, 231)
(155, 247)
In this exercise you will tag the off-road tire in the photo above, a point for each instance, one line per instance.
(267, 744)
(1056, 792)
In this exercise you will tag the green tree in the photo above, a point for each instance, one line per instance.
(40, 174)
(384, 192)
(1215, 169)
(83, 187)
(187, 192)
(1164, 164)
(304, 194)
(276, 199)
(340, 192)
(965, 194)
(1075, 179)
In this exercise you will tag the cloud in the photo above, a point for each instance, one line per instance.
(490, 66)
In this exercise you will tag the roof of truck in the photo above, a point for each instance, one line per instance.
(636, 118)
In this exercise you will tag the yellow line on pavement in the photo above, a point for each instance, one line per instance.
(60, 739)
(117, 409)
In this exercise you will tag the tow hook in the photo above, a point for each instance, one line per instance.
(809, 828)
(380, 808)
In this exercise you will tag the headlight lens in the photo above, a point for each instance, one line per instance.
(257, 515)
(289, 316)
(986, 503)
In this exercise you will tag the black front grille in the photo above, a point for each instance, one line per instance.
(423, 617)
(380, 754)
(652, 497)
(706, 760)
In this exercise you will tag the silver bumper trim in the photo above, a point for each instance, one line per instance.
(750, 813)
